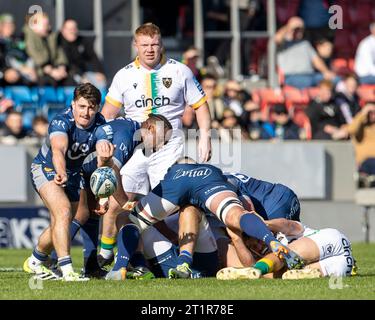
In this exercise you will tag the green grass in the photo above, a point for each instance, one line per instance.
(15, 284)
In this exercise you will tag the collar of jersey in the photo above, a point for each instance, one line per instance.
(163, 60)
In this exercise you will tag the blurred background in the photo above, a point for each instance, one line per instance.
(290, 86)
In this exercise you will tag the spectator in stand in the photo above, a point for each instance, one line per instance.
(324, 49)
(235, 97)
(5, 104)
(83, 63)
(18, 68)
(13, 130)
(297, 59)
(215, 103)
(42, 47)
(283, 127)
(362, 132)
(364, 64)
(190, 58)
(347, 99)
(316, 16)
(39, 128)
(255, 127)
(230, 128)
(324, 115)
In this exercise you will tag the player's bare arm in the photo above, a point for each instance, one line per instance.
(204, 123)
(59, 146)
(110, 111)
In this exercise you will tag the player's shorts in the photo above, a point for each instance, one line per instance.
(206, 241)
(335, 252)
(287, 207)
(204, 264)
(40, 174)
(141, 173)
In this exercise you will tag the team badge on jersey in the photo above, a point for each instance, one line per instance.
(167, 82)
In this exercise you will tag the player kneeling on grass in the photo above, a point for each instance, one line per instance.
(204, 186)
(326, 252)
(55, 174)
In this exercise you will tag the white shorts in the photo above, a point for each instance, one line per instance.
(335, 252)
(141, 173)
(205, 243)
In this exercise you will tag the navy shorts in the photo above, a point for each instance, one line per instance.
(41, 174)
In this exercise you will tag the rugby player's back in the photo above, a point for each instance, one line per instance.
(191, 184)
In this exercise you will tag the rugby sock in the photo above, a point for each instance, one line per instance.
(128, 239)
(254, 226)
(65, 264)
(90, 236)
(185, 257)
(37, 257)
(264, 265)
(138, 260)
(106, 247)
(74, 227)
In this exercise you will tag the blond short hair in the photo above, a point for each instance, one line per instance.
(147, 29)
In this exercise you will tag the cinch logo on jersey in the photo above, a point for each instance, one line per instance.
(194, 173)
(150, 102)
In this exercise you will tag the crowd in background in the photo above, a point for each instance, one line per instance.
(38, 56)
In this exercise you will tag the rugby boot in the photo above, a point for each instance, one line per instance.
(292, 260)
(182, 271)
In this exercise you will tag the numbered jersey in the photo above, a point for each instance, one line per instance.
(165, 90)
(270, 200)
(81, 141)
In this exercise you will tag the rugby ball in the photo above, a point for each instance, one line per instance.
(103, 182)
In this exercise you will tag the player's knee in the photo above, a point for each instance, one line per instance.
(232, 219)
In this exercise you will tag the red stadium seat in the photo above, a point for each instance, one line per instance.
(366, 93)
(343, 44)
(270, 96)
(360, 13)
(301, 119)
(295, 97)
(286, 10)
(340, 66)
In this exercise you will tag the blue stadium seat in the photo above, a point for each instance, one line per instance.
(26, 101)
(22, 94)
(52, 109)
(66, 93)
(49, 95)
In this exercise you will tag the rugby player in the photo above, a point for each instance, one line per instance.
(162, 252)
(152, 84)
(55, 174)
(204, 186)
(326, 252)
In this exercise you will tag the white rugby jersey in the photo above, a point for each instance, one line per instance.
(165, 90)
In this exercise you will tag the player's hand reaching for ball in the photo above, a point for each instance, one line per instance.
(105, 150)
(102, 206)
(60, 179)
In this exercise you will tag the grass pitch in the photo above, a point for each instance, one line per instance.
(14, 284)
